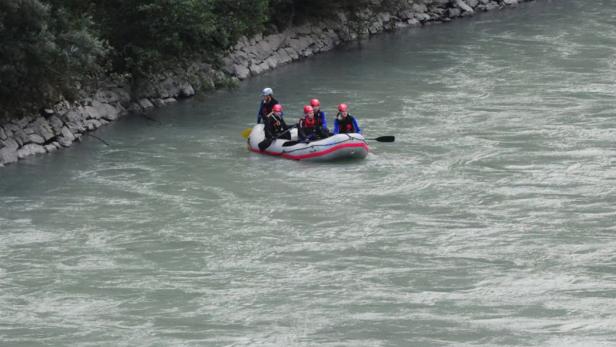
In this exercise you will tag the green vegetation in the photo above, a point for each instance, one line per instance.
(52, 48)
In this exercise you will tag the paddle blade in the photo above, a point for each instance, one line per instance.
(385, 139)
(246, 132)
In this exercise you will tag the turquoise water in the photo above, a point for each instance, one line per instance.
(490, 221)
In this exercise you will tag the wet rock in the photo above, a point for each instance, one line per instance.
(510, 2)
(134, 108)
(50, 148)
(186, 90)
(145, 104)
(464, 6)
(168, 101)
(74, 121)
(158, 103)
(30, 149)
(8, 153)
(453, 12)
(66, 138)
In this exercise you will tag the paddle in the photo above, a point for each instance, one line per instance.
(383, 139)
(246, 132)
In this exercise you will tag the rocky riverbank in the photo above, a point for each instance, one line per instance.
(61, 125)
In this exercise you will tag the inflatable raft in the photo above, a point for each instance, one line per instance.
(336, 147)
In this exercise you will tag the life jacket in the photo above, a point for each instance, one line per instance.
(345, 125)
(310, 123)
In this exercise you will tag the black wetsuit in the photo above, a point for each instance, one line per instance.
(265, 108)
(274, 125)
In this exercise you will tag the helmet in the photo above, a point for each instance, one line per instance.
(267, 91)
(343, 107)
(315, 103)
(308, 109)
(277, 108)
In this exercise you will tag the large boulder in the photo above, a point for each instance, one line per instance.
(30, 149)
(241, 71)
(56, 124)
(74, 120)
(186, 90)
(2, 134)
(41, 127)
(37, 139)
(66, 138)
(464, 6)
(102, 110)
(145, 104)
(8, 153)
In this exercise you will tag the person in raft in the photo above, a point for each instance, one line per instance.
(310, 127)
(344, 122)
(267, 104)
(275, 127)
(316, 106)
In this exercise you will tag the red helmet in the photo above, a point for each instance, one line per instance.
(308, 109)
(343, 107)
(277, 108)
(315, 103)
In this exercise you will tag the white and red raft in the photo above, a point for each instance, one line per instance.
(336, 147)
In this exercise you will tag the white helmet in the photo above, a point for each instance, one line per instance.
(267, 91)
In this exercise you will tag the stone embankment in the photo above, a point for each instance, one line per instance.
(61, 125)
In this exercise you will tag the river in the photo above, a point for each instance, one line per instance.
(490, 221)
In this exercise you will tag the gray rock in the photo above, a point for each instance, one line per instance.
(106, 96)
(272, 62)
(134, 108)
(168, 88)
(413, 22)
(42, 127)
(465, 7)
(145, 104)
(37, 139)
(168, 101)
(20, 136)
(56, 124)
(67, 137)
(454, 12)
(8, 155)
(472, 3)
(510, 2)
(30, 149)
(158, 102)
(292, 53)
(2, 134)
(492, 6)
(74, 120)
(50, 148)
(62, 107)
(241, 71)
(186, 90)
(10, 143)
(92, 124)
(283, 56)
(91, 112)
(258, 68)
(22, 122)
(419, 8)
